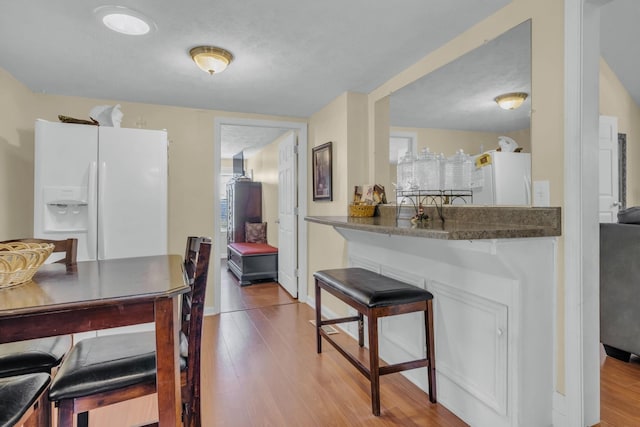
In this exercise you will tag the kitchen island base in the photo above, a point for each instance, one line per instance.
(494, 310)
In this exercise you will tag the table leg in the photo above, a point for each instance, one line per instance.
(167, 362)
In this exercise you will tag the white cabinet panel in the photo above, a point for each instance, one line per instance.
(471, 336)
(356, 261)
(406, 331)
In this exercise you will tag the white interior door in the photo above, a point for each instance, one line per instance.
(608, 169)
(287, 216)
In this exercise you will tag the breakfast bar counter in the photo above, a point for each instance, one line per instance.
(460, 222)
(493, 273)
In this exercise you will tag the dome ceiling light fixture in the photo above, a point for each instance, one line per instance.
(511, 101)
(211, 59)
(124, 20)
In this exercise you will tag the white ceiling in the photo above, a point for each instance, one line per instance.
(291, 57)
(247, 139)
(620, 42)
(460, 95)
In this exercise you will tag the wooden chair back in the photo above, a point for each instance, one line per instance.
(196, 260)
(68, 246)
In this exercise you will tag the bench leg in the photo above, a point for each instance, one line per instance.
(318, 318)
(431, 354)
(360, 330)
(374, 362)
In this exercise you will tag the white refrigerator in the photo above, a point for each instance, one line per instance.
(502, 178)
(105, 186)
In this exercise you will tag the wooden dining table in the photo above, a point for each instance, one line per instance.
(103, 294)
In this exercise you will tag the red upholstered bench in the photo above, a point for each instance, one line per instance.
(252, 261)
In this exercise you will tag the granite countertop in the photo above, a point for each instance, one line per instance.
(460, 222)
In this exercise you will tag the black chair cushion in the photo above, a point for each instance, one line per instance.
(30, 356)
(372, 289)
(18, 394)
(107, 363)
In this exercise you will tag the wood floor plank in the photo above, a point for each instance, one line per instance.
(619, 392)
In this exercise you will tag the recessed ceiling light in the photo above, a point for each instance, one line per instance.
(125, 21)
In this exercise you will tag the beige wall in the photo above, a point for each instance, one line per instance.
(339, 121)
(16, 158)
(616, 101)
(357, 172)
(191, 148)
(448, 141)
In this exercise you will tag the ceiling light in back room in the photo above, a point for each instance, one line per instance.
(511, 101)
(124, 20)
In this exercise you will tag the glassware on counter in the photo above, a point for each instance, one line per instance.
(427, 170)
(405, 172)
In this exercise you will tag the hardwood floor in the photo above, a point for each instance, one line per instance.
(619, 392)
(234, 297)
(260, 368)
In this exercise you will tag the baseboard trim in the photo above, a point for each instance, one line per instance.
(559, 406)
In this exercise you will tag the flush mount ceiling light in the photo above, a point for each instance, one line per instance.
(211, 59)
(511, 101)
(125, 21)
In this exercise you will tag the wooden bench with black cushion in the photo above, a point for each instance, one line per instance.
(252, 261)
(374, 295)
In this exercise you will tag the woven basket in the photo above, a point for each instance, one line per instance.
(362, 210)
(20, 261)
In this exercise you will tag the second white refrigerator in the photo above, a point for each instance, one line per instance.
(105, 186)
(503, 178)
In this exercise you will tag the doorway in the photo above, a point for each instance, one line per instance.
(300, 129)
(609, 178)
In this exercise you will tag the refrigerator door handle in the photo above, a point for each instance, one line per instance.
(101, 203)
(92, 232)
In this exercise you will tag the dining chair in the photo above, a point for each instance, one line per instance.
(22, 398)
(68, 246)
(110, 369)
(40, 354)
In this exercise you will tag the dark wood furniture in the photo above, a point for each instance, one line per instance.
(22, 398)
(374, 295)
(110, 369)
(39, 354)
(253, 261)
(68, 246)
(244, 204)
(105, 294)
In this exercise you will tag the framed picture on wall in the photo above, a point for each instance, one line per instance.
(322, 173)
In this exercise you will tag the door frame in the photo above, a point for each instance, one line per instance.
(301, 129)
(580, 404)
